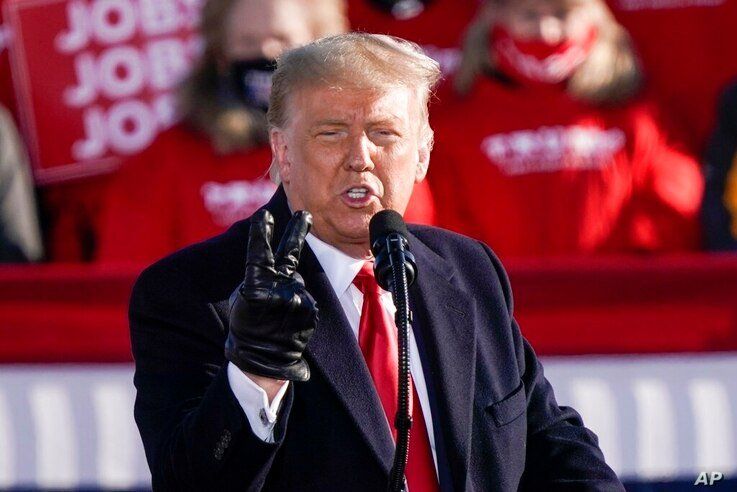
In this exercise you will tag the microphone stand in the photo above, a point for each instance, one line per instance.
(399, 289)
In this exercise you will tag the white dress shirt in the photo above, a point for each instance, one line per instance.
(340, 269)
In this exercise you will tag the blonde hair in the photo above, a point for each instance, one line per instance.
(357, 61)
(229, 128)
(611, 73)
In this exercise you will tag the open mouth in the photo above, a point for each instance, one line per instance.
(358, 196)
(357, 193)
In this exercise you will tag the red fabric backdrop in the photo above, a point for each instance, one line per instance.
(61, 313)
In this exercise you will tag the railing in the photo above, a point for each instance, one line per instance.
(565, 306)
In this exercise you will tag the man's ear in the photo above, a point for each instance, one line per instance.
(423, 162)
(280, 156)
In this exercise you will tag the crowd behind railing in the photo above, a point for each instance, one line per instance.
(561, 127)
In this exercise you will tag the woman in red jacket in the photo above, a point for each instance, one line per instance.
(541, 148)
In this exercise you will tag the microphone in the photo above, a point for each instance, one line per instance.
(388, 234)
(395, 270)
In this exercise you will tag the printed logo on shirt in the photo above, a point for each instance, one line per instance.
(666, 4)
(553, 148)
(235, 200)
(5, 37)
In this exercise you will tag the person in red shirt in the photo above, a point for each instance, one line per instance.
(688, 52)
(436, 25)
(542, 148)
(210, 170)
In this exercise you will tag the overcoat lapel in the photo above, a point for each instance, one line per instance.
(333, 351)
(444, 313)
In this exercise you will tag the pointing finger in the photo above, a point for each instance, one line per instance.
(259, 241)
(290, 247)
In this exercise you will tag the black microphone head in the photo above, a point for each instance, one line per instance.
(388, 234)
(384, 223)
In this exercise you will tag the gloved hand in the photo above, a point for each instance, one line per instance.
(272, 316)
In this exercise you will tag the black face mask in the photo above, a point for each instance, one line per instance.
(401, 9)
(251, 81)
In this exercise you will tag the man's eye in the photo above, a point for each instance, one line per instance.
(328, 134)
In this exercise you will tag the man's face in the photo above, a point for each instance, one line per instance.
(347, 154)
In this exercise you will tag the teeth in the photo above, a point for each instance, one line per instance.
(357, 192)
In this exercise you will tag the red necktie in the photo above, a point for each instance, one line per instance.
(377, 337)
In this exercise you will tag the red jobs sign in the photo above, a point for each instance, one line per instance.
(95, 78)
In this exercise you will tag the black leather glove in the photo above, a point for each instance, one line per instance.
(272, 316)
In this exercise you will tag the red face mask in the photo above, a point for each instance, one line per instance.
(536, 62)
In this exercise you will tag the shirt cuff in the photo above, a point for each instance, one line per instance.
(255, 402)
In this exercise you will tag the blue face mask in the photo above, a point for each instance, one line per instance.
(251, 81)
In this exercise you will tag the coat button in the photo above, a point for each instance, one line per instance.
(222, 445)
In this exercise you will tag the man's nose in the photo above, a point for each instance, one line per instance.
(359, 155)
